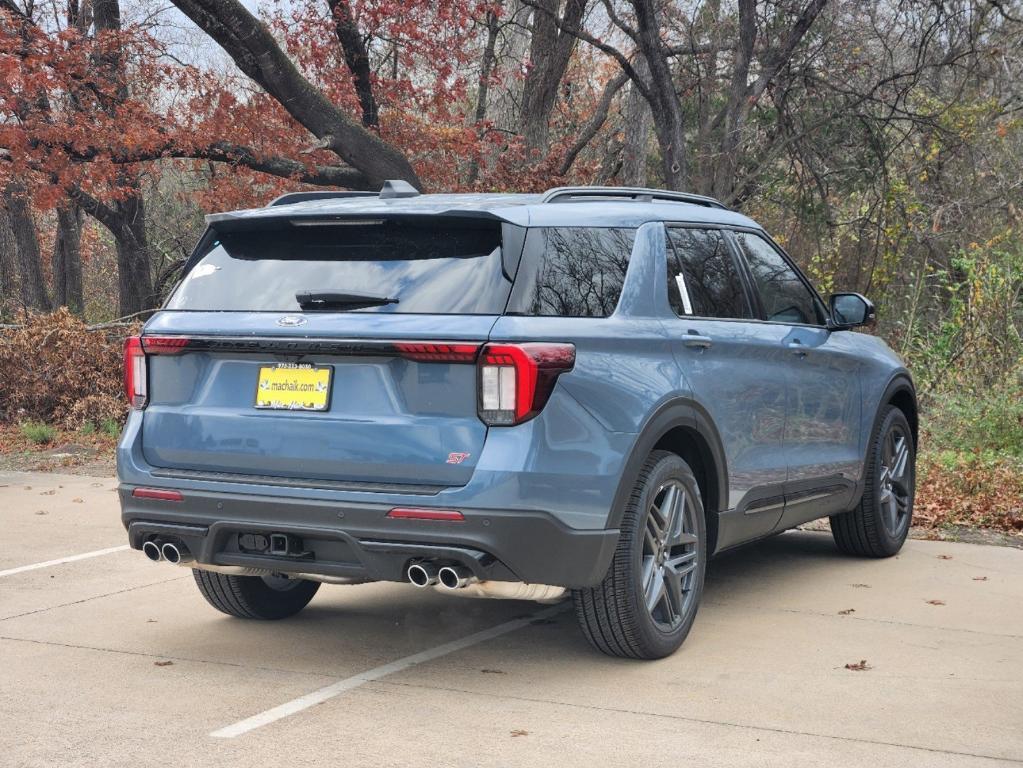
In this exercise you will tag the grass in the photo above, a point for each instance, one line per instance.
(111, 428)
(38, 433)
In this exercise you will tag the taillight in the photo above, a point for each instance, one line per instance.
(135, 388)
(136, 385)
(165, 345)
(516, 380)
(437, 352)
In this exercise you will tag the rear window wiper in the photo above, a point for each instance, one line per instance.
(340, 300)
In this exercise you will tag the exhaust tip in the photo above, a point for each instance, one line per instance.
(152, 550)
(172, 553)
(455, 577)
(422, 574)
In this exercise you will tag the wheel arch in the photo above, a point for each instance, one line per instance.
(901, 393)
(684, 428)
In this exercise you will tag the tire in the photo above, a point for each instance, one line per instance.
(879, 524)
(614, 615)
(255, 597)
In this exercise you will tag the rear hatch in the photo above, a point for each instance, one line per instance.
(338, 352)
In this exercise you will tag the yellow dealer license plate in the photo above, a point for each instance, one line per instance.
(293, 387)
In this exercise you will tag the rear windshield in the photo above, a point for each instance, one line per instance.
(452, 267)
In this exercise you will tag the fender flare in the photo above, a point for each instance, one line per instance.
(680, 412)
(901, 381)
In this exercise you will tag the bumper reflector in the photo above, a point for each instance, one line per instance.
(408, 513)
(157, 493)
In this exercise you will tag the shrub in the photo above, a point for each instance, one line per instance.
(38, 433)
(54, 369)
(990, 420)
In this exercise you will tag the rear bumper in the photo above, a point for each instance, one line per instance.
(358, 540)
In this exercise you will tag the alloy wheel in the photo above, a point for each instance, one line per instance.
(670, 556)
(895, 481)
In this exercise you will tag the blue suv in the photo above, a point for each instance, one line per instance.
(591, 390)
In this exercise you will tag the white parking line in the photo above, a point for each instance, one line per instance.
(62, 560)
(349, 683)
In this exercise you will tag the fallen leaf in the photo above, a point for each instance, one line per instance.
(861, 586)
(935, 602)
(42, 512)
(28, 487)
(944, 557)
(162, 663)
(519, 732)
(76, 500)
(150, 621)
(860, 666)
(96, 485)
(980, 578)
(492, 671)
(50, 492)
(847, 611)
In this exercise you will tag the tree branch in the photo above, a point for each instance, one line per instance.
(595, 123)
(253, 48)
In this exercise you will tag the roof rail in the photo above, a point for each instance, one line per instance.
(638, 194)
(319, 194)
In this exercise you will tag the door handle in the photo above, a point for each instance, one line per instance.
(797, 348)
(697, 341)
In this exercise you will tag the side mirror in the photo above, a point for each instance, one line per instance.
(851, 310)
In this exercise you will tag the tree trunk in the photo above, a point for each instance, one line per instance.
(668, 116)
(550, 49)
(483, 88)
(357, 58)
(126, 221)
(26, 250)
(637, 133)
(134, 279)
(67, 259)
(8, 272)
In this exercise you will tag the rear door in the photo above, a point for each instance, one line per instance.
(260, 364)
(737, 372)
(822, 432)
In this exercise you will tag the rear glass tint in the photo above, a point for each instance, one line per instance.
(572, 271)
(451, 266)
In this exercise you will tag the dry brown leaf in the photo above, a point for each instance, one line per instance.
(858, 666)
(944, 557)
(162, 663)
(519, 732)
(935, 602)
(846, 611)
(980, 578)
(860, 586)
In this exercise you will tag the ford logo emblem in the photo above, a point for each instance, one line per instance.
(290, 321)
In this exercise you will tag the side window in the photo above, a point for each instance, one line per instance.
(572, 271)
(785, 297)
(702, 276)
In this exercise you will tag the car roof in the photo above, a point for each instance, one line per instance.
(521, 209)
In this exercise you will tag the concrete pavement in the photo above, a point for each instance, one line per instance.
(762, 680)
